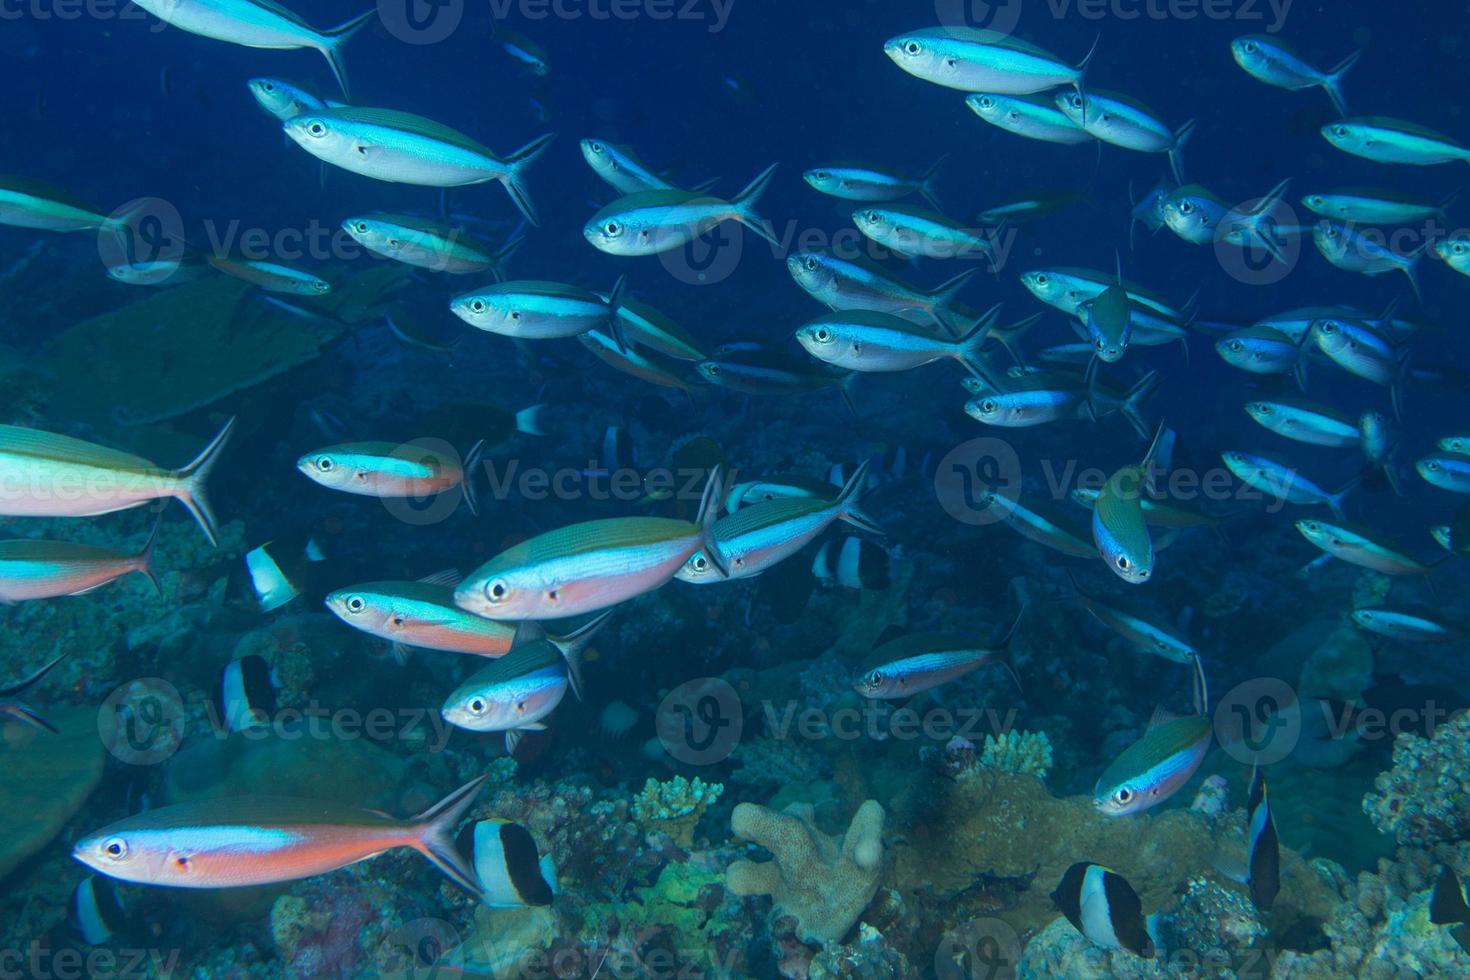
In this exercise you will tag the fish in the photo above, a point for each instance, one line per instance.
(1037, 521)
(1398, 624)
(645, 365)
(274, 277)
(648, 327)
(96, 911)
(1302, 421)
(1448, 471)
(523, 51)
(392, 470)
(486, 422)
(1034, 399)
(1260, 872)
(1353, 251)
(973, 60)
(1158, 765)
(188, 267)
(869, 341)
(1374, 207)
(843, 284)
(1455, 444)
(1282, 481)
(422, 614)
(1026, 208)
(1067, 289)
(1268, 60)
(762, 535)
(429, 245)
(516, 692)
(855, 563)
(1380, 440)
(1386, 140)
(510, 868)
(920, 233)
(247, 694)
(530, 309)
(1356, 347)
(1116, 119)
(11, 705)
(1029, 116)
(1444, 536)
(587, 567)
(27, 203)
(1109, 322)
(43, 474)
(775, 487)
(1360, 546)
(265, 840)
(1158, 512)
(277, 570)
(403, 148)
(1447, 906)
(1102, 906)
(761, 373)
(1119, 528)
(1145, 636)
(1201, 218)
(1261, 350)
(32, 568)
(863, 183)
(1454, 251)
(920, 662)
(650, 222)
(620, 168)
(260, 24)
(284, 100)
(1148, 210)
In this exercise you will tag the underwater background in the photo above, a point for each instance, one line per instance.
(719, 724)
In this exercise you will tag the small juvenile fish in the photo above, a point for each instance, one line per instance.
(846, 285)
(188, 267)
(1158, 765)
(1359, 546)
(982, 61)
(650, 222)
(587, 567)
(1031, 207)
(919, 233)
(1119, 527)
(1119, 120)
(1353, 251)
(529, 309)
(762, 535)
(918, 662)
(1282, 481)
(402, 148)
(11, 705)
(429, 245)
(284, 100)
(1268, 60)
(392, 470)
(265, 840)
(1448, 471)
(273, 277)
(31, 568)
(1374, 207)
(865, 340)
(259, 24)
(1034, 117)
(856, 183)
(1303, 421)
(48, 475)
(1399, 625)
(1385, 140)
(525, 52)
(1102, 906)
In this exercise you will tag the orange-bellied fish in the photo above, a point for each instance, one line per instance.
(386, 469)
(31, 568)
(264, 840)
(1158, 765)
(47, 475)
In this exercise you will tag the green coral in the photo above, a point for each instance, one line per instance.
(674, 807)
(1018, 752)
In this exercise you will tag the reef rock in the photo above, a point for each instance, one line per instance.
(44, 780)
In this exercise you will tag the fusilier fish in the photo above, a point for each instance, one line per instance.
(982, 61)
(26, 203)
(918, 662)
(1036, 521)
(860, 183)
(619, 167)
(273, 277)
(1024, 208)
(1356, 347)
(1119, 120)
(847, 285)
(1373, 207)
(428, 244)
(420, 614)
(1145, 636)
(1268, 60)
(650, 222)
(1357, 545)
(265, 840)
(1260, 350)
(393, 470)
(529, 309)
(919, 233)
(1158, 765)
(1448, 471)
(1102, 906)
(259, 24)
(1316, 425)
(1455, 252)
(31, 568)
(1034, 117)
(1282, 481)
(284, 100)
(1067, 289)
(587, 567)
(1397, 624)
(1380, 440)
(1353, 251)
(865, 340)
(47, 475)
(402, 148)
(1385, 140)
(635, 361)
(651, 328)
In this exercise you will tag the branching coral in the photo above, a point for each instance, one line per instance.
(675, 807)
(1018, 752)
(1425, 797)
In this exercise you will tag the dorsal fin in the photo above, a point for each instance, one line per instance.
(449, 577)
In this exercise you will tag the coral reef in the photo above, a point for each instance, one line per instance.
(675, 807)
(44, 780)
(820, 881)
(1425, 797)
(1018, 752)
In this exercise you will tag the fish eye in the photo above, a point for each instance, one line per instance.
(822, 175)
(1186, 207)
(267, 87)
(612, 229)
(115, 848)
(477, 706)
(810, 263)
(823, 335)
(1315, 199)
(988, 406)
(986, 102)
(325, 464)
(1250, 47)
(316, 129)
(497, 589)
(1432, 466)
(1123, 563)
(362, 228)
(1122, 796)
(356, 604)
(1458, 248)
(700, 563)
(515, 314)
(1264, 409)
(912, 48)
(477, 306)
(872, 217)
(1236, 346)
(1042, 279)
(595, 147)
